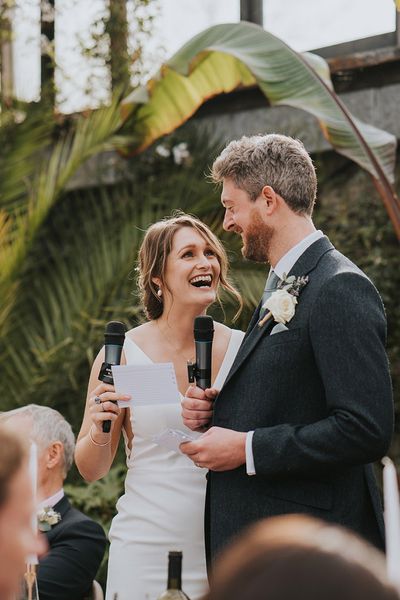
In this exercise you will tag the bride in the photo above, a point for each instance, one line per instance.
(182, 265)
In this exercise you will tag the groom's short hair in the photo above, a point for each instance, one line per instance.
(276, 160)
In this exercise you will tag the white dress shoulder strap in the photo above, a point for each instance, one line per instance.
(133, 354)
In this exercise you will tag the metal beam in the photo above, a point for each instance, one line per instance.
(252, 11)
(47, 59)
(6, 57)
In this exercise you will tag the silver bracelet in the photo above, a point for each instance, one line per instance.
(97, 443)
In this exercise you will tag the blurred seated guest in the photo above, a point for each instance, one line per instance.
(296, 557)
(76, 543)
(17, 538)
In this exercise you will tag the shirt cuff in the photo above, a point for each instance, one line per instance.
(250, 468)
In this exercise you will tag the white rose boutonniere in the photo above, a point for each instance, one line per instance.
(47, 517)
(281, 305)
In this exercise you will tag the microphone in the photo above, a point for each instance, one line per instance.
(203, 339)
(114, 337)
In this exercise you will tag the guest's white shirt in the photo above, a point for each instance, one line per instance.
(282, 267)
(52, 501)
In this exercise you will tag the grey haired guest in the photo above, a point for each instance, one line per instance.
(76, 543)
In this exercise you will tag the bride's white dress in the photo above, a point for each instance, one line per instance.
(162, 508)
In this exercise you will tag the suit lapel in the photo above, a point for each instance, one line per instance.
(253, 322)
(251, 339)
(306, 263)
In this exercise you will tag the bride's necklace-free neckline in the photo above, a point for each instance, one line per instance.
(168, 339)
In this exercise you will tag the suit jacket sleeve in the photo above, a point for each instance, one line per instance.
(347, 332)
(67, 572)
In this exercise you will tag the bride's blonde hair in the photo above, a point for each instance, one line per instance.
(154, 251)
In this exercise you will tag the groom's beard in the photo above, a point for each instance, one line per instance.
(257, 239)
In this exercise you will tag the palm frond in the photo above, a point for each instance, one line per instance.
(92, 135)
(22, 144)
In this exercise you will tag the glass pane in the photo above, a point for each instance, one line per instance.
(26, 49)
(317, 23)
(82, 79)
(177, 22)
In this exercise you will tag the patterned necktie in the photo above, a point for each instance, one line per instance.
(270, 287)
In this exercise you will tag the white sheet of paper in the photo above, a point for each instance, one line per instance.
(147, 384)
(171, 438)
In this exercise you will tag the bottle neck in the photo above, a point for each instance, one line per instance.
(175, 571)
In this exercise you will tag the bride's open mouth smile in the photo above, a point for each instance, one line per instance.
(201, 281)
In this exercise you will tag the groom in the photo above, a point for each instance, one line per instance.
(307, 405)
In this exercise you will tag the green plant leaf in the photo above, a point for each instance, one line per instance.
(225, 57)
(22, 146)
(90, 135)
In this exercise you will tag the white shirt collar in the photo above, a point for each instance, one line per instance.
(288, 260)
(52, 501)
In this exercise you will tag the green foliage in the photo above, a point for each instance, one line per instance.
(22, 144)
(118, 38)
(98, 498)
(21, 224)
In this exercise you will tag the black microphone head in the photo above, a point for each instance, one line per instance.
(115, 333)
(203, 329)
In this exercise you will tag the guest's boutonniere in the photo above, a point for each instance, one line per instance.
(47, 517)
(281, 305)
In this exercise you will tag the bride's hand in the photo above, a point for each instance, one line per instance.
(103, 405)
(197, 407)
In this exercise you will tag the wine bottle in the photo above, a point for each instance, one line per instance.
(174, 585)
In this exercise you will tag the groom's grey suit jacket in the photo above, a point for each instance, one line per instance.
(319, 398)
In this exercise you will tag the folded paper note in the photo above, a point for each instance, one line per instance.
(146, 384)
(172, 438)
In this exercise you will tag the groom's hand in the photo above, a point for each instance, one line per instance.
(197, 407)
(218, 449)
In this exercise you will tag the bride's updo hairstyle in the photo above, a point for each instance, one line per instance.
(153, 254)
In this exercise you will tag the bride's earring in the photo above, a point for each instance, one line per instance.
(159, 293)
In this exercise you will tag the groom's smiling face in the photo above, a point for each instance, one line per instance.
(245, 217)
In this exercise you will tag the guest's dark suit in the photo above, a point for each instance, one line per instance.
(76, 548)
(319, 399)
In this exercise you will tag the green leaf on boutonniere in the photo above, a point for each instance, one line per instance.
(282, 303)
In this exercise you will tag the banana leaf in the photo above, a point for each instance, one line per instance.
(229, 56)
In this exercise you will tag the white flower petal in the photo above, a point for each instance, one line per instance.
(282, 306)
